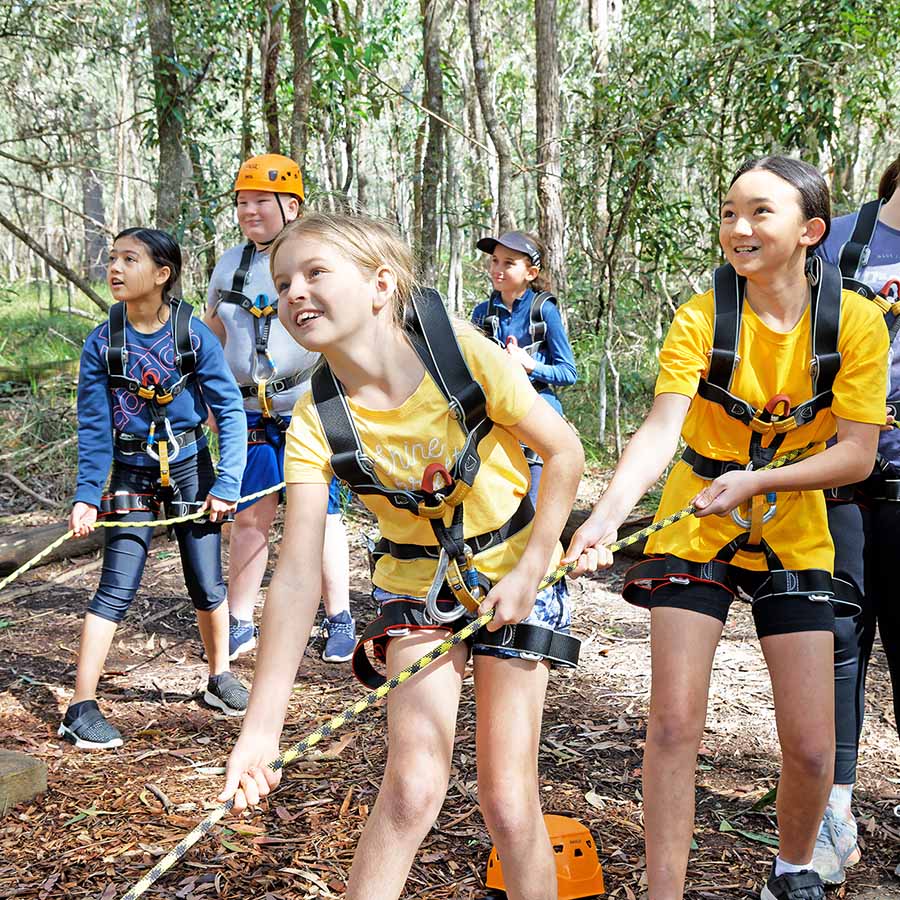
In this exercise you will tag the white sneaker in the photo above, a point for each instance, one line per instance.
(836, 847)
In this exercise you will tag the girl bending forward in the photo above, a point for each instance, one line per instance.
(343, 284)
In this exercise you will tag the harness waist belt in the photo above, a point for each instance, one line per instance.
(708, 468)
(275, 386)
(126, 443)
(479, 542)
(401, 616)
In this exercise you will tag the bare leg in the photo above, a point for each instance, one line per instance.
(335, 567)
(421, 724)
(802, 670)
(248, 554)
(681, 667)
(510, 699)
(214, 634)
(96, 638)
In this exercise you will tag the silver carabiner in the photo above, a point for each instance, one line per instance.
(254, 371)
(170, 440)
(745, 523)
(434, 615)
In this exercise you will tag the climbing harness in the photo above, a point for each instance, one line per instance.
(458, 587)
(366, 703)
(162, 444)
(578, 870)
(537, 325)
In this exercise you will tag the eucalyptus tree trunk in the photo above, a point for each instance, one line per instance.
(169, 113)
(433, 162)
(551, 223)
(246, 88)
(269, 50)
(302, 76)
(92, 201)
(488, 112)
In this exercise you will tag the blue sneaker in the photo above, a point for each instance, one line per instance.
(340, 632)
(241, 637)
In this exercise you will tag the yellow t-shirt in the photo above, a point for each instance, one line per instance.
(770, 363)
(403, 441)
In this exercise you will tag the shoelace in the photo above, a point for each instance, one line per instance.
(333, 627)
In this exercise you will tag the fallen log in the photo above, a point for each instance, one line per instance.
(633, 523)
(16, 549)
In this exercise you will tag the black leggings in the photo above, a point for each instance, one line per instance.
(125, 553)
(865, 554)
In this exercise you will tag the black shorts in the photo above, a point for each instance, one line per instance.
(782, 614)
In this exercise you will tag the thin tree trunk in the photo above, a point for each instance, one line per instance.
(432, 164)
(269, 49)
(246, 88)
(204, 216)
(57, 264)
(92, 202)
(551, 221)
(486, 101)
(302, 76)
(417, 183)
(169, 113)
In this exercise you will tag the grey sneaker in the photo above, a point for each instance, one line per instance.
(836, 847)
(89, 730)
(226, 693)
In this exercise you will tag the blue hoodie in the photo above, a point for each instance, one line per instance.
(102, 410)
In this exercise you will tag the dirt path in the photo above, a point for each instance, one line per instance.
(108, 816)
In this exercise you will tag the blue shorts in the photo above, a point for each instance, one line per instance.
(552, 609)
(265, 465)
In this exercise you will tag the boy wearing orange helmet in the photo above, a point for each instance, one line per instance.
(272, 371)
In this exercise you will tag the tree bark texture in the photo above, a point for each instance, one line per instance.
(551, 222)
(246, 88)
(269, 49)
(169, 113)
(92, 203)
(302, 78)
(495, 129)
(433, 162)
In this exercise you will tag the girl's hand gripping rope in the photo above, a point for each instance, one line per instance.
(249, 776)
(82, 519)
(216, 508)
(725, 493)
(511, 598)
(589, 550)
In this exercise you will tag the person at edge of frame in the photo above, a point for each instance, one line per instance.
(518, 275)
(777, 210)
(127, 430)
(268, 194)
(343, 283)
(864, 520)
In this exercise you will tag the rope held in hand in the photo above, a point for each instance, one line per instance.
(156, 523)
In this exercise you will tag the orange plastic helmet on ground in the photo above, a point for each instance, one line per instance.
(270, 172)
(578, 871)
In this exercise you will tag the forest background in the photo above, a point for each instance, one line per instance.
(610, 126)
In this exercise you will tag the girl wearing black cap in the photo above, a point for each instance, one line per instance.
(523, 316)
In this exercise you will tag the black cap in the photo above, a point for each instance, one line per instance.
(513, 240)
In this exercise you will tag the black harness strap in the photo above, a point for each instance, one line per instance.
(275, 386)
(126, 443)
(435, 343)
(479, 543)
(854, 255)
(180, 313)
(645, 577)
(401, 616)
(537, 326)
(239, 282)
(825, 313)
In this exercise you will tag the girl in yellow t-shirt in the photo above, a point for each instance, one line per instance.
(343, 284)
(776, 211)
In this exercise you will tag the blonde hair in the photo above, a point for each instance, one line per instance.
(368, 243)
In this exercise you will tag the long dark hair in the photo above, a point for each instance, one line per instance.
(815, 198)
(889, 180)
(164, 251)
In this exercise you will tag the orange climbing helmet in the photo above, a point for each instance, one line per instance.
(578, 871)
(270, 172)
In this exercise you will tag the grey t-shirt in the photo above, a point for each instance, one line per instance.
(246, 365)
(883, 265)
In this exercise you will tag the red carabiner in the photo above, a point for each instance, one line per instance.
(511, 341)
(775, 402)
(436, 478)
